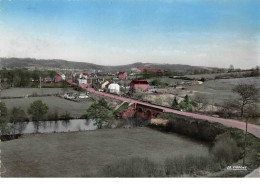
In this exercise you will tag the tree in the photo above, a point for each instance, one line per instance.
(37, 109)
(248, 95)
(227, 108)
(139, 93)
(231, 68)
(248, 98)
(201, 101)
(100, 111)
(187, 104)
(3, 118)
(17, 115)
(64, 85)
(175, 103)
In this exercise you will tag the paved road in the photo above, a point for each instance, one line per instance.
(253, 129)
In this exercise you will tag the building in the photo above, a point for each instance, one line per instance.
(100, 84)
(122, 75)
(103, 85)
(114, 88)
(143, 84)
(83, 78)
(59, 77)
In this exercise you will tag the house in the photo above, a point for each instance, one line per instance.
(83, 78)
(121, 75)
(59, 77)
(103, 85)
(100, 84)
(114, 88)
(143, 84)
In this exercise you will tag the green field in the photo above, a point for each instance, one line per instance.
(220, 90)
(22, 92)
(55, 104)
(79, 154)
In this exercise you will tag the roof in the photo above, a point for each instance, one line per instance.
(139, 82)
(121, 73)
(84, 73)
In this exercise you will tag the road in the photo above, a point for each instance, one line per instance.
(253, 129)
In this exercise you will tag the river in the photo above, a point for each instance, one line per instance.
(53, 126)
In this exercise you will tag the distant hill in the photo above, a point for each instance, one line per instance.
(63, 64)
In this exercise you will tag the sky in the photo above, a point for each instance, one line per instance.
(213, 33)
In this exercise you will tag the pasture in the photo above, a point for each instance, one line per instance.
(54, 103)
(79, 154)
(23, 92)
(218, 91)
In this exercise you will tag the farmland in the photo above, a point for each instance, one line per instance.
(221, 89)
(55, 104)
(83, 153)
(23, 92)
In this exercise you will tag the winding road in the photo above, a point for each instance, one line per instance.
(253, 129)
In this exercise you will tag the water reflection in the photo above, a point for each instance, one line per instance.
(53, 126)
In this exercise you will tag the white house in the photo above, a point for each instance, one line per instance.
(114, 88)
(83, 78)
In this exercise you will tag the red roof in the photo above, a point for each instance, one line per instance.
(139, 82)
(84, 74)
(120, 73)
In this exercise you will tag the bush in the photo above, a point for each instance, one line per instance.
(190, 165)
(225, 150)
(133, 167)
(53, 117)
(194, 128)
(65, 116)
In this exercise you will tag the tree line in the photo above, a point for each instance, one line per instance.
(23, 77)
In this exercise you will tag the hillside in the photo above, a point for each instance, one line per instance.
(63, 64)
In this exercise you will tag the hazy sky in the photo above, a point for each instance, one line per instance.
(196, 32)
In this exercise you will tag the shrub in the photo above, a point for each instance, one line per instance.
(65, 116)
(133, 167)
(194, 128)
(53, 117)
(225, 150)
(190, 165)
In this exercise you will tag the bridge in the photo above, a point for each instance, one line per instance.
(253, 129)
(141, 111)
